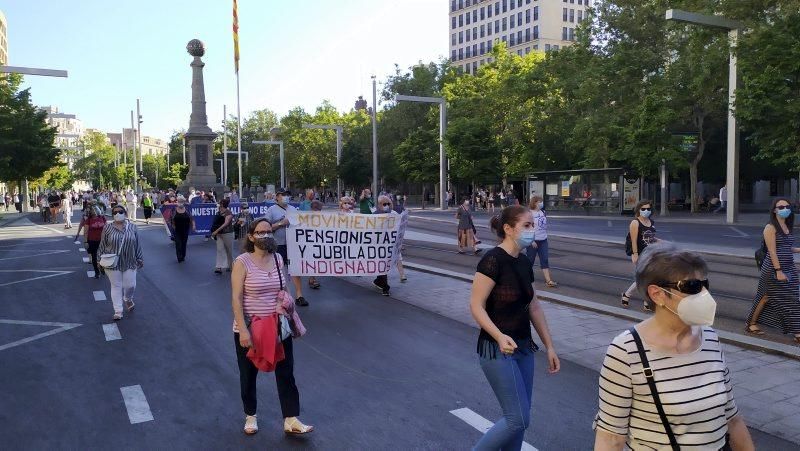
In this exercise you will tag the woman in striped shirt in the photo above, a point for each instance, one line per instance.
(683, 354)
(255, 283)
(121, 237)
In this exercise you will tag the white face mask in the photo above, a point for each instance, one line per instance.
(696, 309)
(119, 217)
(539, 205)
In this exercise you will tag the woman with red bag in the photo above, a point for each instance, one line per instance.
(256, 286)
(93, 224)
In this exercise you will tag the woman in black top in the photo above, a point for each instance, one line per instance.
(504, 304)
(182, 223)
(641, 233)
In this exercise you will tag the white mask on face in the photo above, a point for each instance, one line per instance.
(119, 217)
(696, 309)
(539, 205)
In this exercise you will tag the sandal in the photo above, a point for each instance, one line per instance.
(314, 285)
(293, 426)
(626, 300)
(752, 329)
(646, 307)
(553, 284)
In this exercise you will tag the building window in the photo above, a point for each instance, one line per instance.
(547, 46)
(469, 3)
(512, 19)
(512, 4)
(475, 33)
(469, 51)
(483, 48)
(475, 15)
(461, 4)
(469, 19)
(489, 48)
(505, 5)
(497, 8)
(527, 35)
(497, 26)
(564, 34)
(536, 46)
(453, 22)
(536, 32)
(483, 30)
(474, 66)
(519, 37)
(505, 22)
(453, 39)
(453, 6)
(468, 36)
(535, 13)
(489, 11)
(527, 50)
(460, 20)
(580, 16)
(564, 14)
(482, 62)
(466, 68)
(483, 13)
(572, 15)
(460, 37)
(527, 2)
(511, 41)
(461, 54)
(528, 16)
(505, 38)
(489, 29)
(474, 49)
(519, 3)
(571, 34)
(587, 2)
(519, 52)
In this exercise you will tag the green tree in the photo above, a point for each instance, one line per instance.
(26, 140)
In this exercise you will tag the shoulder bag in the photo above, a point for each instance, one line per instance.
(284, 326)
(761, 254)
(110, 260)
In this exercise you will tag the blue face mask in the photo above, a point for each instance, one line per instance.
(525, 239)
(785, 213)
(645, 213)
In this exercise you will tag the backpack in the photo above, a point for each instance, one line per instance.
(628, 245)
(761, 254)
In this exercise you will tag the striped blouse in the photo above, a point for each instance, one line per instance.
(260, 288)
(131, 250)
(695, 390)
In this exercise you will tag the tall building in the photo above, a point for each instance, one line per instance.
(3, 39)
(150, 145)
(476, 26)
(70, 128)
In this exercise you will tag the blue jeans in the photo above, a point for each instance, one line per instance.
(542, 251)
(511, 378)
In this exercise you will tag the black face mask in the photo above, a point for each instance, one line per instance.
(267, 244)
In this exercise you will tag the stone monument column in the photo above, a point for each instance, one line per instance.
(199, 137)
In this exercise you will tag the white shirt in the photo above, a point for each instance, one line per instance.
(540, 225)
(723, 194)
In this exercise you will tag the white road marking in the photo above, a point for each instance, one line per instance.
(29, 255)
(81, 249)
(111, 332)
(60, 327)
(56, 273)
(37, 244)
(609, 224)
(89, 273)
(739, 232)
(99, 295)
(76, 242)
(136, 404)
(49, 229)
(86, 259)
(482, 424)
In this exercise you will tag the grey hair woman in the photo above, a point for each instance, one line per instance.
(664, 382)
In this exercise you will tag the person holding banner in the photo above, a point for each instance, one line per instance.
(255, 288)
(223, 234)
(504, 304)
(366, 205)
(276, 215)
(243, 221)
(382, 281)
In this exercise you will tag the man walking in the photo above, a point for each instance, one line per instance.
(276, 215)
(723, 199)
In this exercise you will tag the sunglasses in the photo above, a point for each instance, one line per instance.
(387, 205)
(690, 286)
(783, 207)
(646, 209)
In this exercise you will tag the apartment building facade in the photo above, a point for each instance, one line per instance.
(476, 26)
(3, 39)
(128, 138)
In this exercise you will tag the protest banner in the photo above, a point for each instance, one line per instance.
(203, 214)
(321, 243)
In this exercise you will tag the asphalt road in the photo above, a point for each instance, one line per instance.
(599, 271)
(373, 372)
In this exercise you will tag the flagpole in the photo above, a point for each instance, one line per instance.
(239, 134)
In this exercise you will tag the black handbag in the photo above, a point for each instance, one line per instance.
(761, 254)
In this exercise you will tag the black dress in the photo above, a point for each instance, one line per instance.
(782, 309)
(183, 224)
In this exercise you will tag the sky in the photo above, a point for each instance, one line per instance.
(292, 53)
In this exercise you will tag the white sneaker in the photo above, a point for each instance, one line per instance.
(117, 316)
(250, 425)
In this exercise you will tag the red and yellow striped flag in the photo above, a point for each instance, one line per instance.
(235, 36)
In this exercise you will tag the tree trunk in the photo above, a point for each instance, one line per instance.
(699, 120)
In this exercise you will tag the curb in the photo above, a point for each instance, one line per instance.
(4, 223)
(740, 340)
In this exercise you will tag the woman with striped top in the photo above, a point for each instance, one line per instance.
(776, 303)
(122, 238)
(256, 283)
(693, 405)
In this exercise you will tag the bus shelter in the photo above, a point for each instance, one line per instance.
(588, 191)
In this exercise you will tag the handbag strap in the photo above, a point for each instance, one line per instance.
(124, 235)
(648, 374)
(280, 276)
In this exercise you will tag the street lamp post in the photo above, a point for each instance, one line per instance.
(23, 190)
(135, 177)
(221, 168)
(283, 167)
(443, 164)
(338, 129)
(374, 137)
(733, 28)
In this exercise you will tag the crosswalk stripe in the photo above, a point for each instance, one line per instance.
(136, 404)
(99, 295)
(111, 331)
(482, 424)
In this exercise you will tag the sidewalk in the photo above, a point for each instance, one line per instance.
(767, 387)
